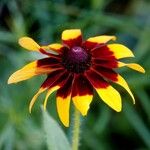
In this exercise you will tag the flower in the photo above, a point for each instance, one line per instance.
(75, 69)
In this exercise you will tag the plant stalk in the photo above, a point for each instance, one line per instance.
(76, 130)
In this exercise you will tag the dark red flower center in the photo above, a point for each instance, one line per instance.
(76, 59)
(77, 54)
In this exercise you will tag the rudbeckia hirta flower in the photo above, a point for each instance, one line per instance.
(76, 68)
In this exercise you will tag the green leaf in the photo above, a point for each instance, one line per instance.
(7, 138)
(138, 124)
(144, 99)
(56, 139)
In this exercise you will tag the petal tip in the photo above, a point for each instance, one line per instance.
(22, 40)
(30, 109)
(28, 43)
(114, 38)
(70, 33)
(82, 103)
(119, 109)
(142, 70)
(138, 68)
(66, 124)
(15, 77)
(11, 79)
(133, 100)
(84, 114)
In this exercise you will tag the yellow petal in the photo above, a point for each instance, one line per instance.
(29, 44)
(101, 39)
(133, 66)
(29, 71)
(71, 34)
(120, 51)
(50, 91)
(111, 97)
(121, 81)
(63, 107)
(82, 103)
(35, 98)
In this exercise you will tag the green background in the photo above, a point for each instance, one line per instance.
(44, 20)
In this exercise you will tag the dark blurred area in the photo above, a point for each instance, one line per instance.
(44, 20)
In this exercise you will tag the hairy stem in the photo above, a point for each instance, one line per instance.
(76, 130)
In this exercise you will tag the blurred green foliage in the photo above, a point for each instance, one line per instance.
(44, 20)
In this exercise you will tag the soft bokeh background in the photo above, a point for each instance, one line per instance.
(44, 20)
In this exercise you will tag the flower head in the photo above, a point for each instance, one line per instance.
(75, 69)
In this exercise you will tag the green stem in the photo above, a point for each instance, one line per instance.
(76, 130)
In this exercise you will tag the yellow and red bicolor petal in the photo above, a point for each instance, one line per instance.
(50, 91)
(52, 77)
(107, 93)
(94, 41)
(82, 93)
(54, 85)
(120, 51)
(133, 66)
(105, 63)
(29, 44)
(111, 52)
(102, 52)
(72, 37)
(122, 82)
(105, 72)
(55, 47)
(41, 90)
(63, 98)
(43, 66)
(109, 74)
